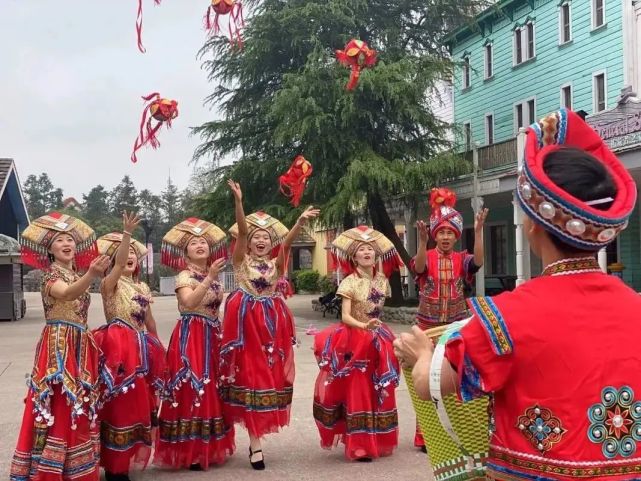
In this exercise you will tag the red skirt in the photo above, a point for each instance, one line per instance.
(131, 370)
(354, 398)
(59, 438)
(257, 362)
(193, 429)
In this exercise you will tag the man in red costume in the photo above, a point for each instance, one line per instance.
(558, 354)
(442, 272)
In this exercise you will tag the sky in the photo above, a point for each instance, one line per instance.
(71, 78)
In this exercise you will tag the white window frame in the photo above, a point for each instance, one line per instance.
(525, 109)
(562, 95)
(522, 33)
(465, 141)
(488, 47)
(593, 15)
(530, 57)
(568, 4)
(486, 124)
(594, 91)
(467, 72)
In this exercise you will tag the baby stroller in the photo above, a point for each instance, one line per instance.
(331, 303)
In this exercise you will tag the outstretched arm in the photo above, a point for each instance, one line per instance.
(479, 222)
(283, 255)
(421, 251)
(241, 241)
(129, 222)
(69, 292)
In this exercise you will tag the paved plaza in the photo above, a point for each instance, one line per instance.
(293, 454)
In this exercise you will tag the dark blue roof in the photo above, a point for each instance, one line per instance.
(14, 217)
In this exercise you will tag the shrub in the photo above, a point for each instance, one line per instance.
(306, 280)
(326, 285)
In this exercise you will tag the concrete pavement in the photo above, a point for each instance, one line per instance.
(293, 454)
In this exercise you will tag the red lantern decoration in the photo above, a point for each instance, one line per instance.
(139, 25)
(357, 56)
(234, 9)
(159, 109)
(293, 182)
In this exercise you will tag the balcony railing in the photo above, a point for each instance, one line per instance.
(501, 154)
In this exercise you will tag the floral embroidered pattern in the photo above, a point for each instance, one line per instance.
(615, 422)
(541, 428)
(260, 284)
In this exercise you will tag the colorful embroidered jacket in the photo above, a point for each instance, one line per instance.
(213, 298)
(560, 357)
(441, 297)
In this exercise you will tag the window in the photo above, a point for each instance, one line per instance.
(598, 92)
(566, 96)
(524, 112)
(498, 249)
(565, 25)
(531, 110)
(598, 13)
(489, 129)
(530, 40)
(518, 121)
(466, 72)
(518, 47)
(467, 136)
(524, 43)
(489, 61)
(467, 239)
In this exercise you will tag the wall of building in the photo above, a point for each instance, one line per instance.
(542, 78)
(319, 253)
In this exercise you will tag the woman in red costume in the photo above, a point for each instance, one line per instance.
(193, 432)
(558, 354)
(132, 366)
(354, 399)
(257, 355)
(59, 438)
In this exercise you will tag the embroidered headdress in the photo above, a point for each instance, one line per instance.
(262, 221)
(345, 246)
(37, 238)
(575, 222)
(108, 245)
(174, 244)
(444, 215)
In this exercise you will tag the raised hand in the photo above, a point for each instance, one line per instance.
(215, 268)
(99, 265)
(130, 221)
(423, 232)
(479, 219)
(310, 213)
(235, 189)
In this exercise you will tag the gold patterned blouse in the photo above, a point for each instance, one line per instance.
(57, 309)
(213, 298)
(257, 276)
(367, 295)
(129, 302)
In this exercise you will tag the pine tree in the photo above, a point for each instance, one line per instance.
(284, 94)
(123, 197)
(171, 204)
(41, 195)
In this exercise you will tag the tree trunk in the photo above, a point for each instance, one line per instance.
(382, 222)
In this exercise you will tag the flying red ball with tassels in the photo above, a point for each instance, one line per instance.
(233, 8)
(357, 56)
(441, 196)
(139, 25)
(159, 109)
(293, 182)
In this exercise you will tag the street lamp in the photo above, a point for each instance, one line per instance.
(148, 228)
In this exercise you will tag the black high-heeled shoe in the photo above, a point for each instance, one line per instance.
(116, 477)
(257, 465)
(195, 467)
